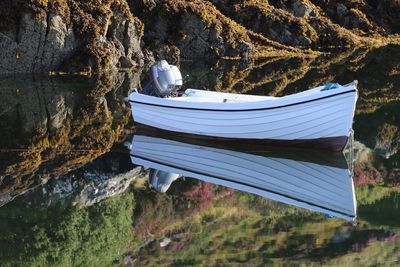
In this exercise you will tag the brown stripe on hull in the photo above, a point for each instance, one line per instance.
(336, 144)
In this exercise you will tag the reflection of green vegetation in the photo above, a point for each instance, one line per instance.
(367, 195)
(242, 228)
(375, 254)
(384, 211)
(56, 236)
(376, 69)
(231, 227)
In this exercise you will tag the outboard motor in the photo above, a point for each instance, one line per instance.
(165, 81)
(160, 181)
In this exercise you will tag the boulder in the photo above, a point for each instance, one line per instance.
(301, 9)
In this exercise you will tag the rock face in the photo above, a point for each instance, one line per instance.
(86, 189)
(36, 45)
(81, 189)
(123, 41)
(76, 35)
(66, 36)
(197, 29)
(301, 9)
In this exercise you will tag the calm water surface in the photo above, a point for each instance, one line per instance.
(70, 195)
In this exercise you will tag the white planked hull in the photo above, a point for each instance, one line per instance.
(326, 114)
(314, 186)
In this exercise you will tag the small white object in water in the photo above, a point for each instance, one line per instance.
(165, 242)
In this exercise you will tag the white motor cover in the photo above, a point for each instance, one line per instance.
(167, 78)
(161, 180)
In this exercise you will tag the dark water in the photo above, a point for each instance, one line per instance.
(70, 196)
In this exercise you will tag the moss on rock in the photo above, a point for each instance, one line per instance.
(108, 33)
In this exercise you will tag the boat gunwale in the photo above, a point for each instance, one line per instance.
(241, 109)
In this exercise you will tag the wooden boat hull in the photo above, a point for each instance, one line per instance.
(319, 119)
(307, 179)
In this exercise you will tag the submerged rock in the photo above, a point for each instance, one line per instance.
(88, 189)
(106, 176)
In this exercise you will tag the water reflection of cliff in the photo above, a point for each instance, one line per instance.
(52, 125)
(377, 70)
(379, 130)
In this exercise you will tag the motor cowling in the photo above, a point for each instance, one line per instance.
(165, 80)
(160, 181)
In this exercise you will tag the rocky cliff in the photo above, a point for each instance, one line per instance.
(95, 36)
(74, 36)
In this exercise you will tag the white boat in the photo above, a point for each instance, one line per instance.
(319, 182)
(319, 117)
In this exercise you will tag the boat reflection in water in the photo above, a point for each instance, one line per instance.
(314, 180)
